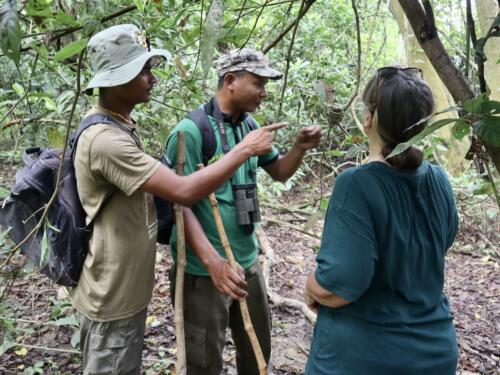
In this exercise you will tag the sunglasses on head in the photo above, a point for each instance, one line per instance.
(388, 71)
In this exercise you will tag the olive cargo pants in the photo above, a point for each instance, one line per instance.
(208, 313)
(112, 348)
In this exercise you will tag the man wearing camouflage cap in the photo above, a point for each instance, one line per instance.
(211, 286)
(116, 181)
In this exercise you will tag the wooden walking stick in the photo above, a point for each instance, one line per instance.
(243, 302)
(180, 366)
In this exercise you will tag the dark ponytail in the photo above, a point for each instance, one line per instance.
(398, 102)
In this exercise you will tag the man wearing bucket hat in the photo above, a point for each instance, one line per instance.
(116, 181)
(211, 286)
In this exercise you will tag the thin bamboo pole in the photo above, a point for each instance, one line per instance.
(261, 362)
(181, 266)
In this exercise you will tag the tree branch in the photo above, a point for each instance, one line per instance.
(289, 55)
(454, 81)
(308, 4)
(358, 71)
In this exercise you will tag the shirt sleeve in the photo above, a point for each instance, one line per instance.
(348, 252)
(116, 157)
(193, 146)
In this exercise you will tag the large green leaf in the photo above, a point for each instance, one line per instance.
(488, 130)
(461, 129)
(10, 33)
(402, 147)
(481, 105)
(71, 49)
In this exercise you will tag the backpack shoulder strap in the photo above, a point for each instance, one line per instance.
(200, 118)
(87, 122)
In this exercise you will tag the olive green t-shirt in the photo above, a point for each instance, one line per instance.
(118, 273)
(243, 244)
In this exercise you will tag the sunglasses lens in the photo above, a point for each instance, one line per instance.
(387, 71)
(414, 72)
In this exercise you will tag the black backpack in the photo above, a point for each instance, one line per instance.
(164, 208)
(65, 231)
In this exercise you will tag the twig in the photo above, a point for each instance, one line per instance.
(180, 267)
(308, 4)
(261, 362)
(254, 25)
(358, 70)
(48, 349)
(199, 44)
(291, 226)
(289, 55)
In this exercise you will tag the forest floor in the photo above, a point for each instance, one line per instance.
(45, 325)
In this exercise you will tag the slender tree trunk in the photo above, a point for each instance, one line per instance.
(487, 10)
(454, 156)
(422, 22)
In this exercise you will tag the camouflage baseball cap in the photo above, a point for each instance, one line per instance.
(118, 54)
(246, 59)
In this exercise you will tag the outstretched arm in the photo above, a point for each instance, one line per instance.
(284, 167)
(187, 190)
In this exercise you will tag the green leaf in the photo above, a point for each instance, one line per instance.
(4, 193)
(18, 89)
(488, 130)
(140, 4)
(323, 204)
(66, 321)
(50, 104)
(482, 105)
(71, 49)
(10, 32)
(461, 129)
(402, 147)
(63, 18)
(45, 248)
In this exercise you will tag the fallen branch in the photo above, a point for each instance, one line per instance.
(291, 226)
(267, 262)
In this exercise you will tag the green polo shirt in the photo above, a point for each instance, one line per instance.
(243, 244)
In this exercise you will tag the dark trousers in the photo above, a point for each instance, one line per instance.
(208, 313)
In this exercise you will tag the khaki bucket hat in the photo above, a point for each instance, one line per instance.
(246, 59)
(118, 54)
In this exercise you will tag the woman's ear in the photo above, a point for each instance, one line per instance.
(368, 121)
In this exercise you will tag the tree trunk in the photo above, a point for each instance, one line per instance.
(422, 23)
(454, 157)
(487, 10)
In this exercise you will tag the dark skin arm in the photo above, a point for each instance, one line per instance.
(284, 167)
(187, 190)
(225, 279)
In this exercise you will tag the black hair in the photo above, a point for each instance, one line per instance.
(398, 102)
(238, 73)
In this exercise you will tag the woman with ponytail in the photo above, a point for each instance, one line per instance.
(378, 285)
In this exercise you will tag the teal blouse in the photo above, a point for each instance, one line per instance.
(384, 242)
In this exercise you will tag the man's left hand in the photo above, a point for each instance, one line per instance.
(308, 137)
